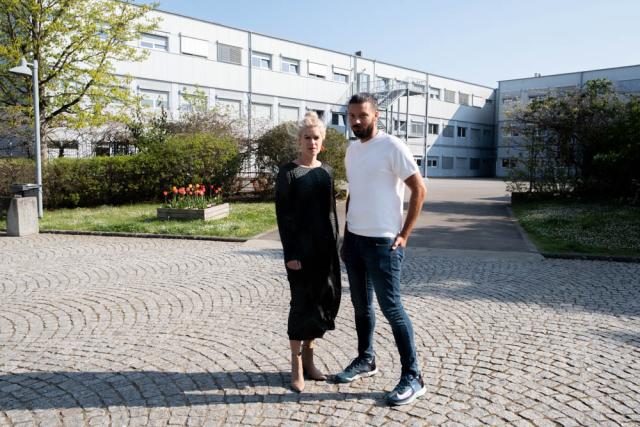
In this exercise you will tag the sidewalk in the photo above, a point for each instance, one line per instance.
(459, 214)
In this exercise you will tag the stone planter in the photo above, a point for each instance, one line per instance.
(208, 214)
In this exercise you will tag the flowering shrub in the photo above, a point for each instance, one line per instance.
(192, 196)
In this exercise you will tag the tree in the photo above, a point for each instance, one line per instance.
(75, 43)
(587, 141)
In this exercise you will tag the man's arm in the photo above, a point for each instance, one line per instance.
(346, 209)
(418, 194)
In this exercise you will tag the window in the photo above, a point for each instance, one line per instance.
(488, 101)
(417, 86)
(462, 132)
(463, 98)
(154, 100)
(478, 101)
(447, 131)
(509, 162)
(364, 80)
(475, 136)
(287, 114)
(261, 60)
(487, 136)
(152, 41)
(418, 160)
(290, 66)
(317, 70)
(449, 96)
(417, 128)
(230, 54)
(434, 129)
(509, 100)
(191, 46)
(461, 163)
(320, 113)
(434, 92)
(447, 162)
(193, 101)
(432, 162)
(399, 125)
(342, 78)
(261, 111)
(230, 107)
(474, 163)
(338, 119)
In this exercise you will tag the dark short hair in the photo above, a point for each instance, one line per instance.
(361, 98)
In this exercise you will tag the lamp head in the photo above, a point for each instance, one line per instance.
(22, 68)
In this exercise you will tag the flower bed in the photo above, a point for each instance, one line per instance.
(193, 202)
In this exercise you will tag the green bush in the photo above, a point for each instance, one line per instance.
(195, 158)
(13, 171)
(335, 145)
(279, 146)
(182, 159)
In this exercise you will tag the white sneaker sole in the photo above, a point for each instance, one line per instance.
(358, 376)
(409, 400)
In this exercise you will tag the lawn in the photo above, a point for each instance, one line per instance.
(578, 227)
(245, 220)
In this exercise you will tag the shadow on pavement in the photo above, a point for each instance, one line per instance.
(50, 390)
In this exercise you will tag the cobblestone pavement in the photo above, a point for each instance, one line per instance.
(124, 331)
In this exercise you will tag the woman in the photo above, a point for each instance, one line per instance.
(306, 211)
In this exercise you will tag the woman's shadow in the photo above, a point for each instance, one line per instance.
(59, 390)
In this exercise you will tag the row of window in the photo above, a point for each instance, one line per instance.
(154, 100)
(471, 163)
(447, 95)
(292, 66)
(461, 132)
(233, 55)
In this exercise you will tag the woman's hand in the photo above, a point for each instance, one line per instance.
(294, 264)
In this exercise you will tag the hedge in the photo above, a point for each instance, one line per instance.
(94, 181)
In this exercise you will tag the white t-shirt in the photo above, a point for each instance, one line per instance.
(376, 171)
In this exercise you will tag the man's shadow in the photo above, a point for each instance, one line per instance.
(60, 390)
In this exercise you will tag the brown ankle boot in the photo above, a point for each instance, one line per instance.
(297, 377)
(309, 367)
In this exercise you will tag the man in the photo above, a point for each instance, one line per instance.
(378, 167)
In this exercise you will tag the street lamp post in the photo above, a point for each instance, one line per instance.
(27, 69)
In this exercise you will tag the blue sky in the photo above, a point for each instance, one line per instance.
(481, 41)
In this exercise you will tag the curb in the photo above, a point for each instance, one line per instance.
(531, 247)
(589, 257)
(144, 235)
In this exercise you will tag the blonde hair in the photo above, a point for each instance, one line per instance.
(311, 120)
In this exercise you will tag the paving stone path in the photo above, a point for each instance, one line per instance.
(125, 331)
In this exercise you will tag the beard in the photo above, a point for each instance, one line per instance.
(364, 132)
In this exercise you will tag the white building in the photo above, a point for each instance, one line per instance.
(519, 92)
(449, 124)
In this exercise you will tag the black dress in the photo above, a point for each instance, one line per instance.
(308, 225)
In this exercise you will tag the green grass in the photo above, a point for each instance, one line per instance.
(578, 227)
(244, 220)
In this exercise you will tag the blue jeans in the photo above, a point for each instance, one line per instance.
(373, 266)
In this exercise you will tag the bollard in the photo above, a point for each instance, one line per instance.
(22, 216)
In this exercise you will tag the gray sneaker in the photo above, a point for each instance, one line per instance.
(408, 389)
(358, 368)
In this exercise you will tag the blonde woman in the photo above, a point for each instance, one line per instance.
(308, 225)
